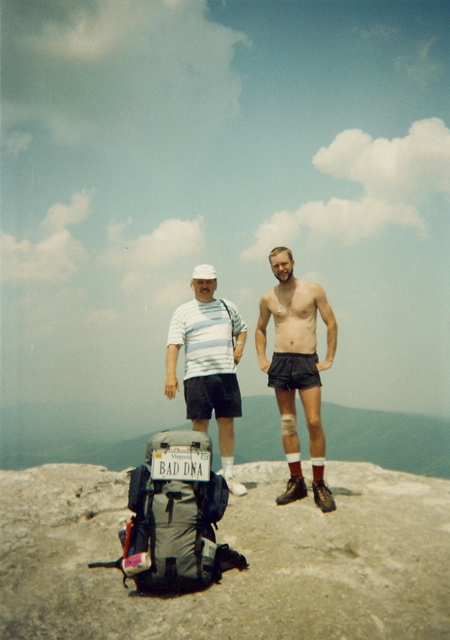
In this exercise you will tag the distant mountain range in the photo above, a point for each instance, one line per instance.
(32, 435)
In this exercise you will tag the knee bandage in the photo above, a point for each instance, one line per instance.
(288, 424)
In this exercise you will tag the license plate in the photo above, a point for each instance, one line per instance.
(176, 464)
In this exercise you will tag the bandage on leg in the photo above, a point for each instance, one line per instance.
(288, 424)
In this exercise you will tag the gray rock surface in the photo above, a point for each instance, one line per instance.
(375, 568)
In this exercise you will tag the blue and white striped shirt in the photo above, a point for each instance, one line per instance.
(206, 330)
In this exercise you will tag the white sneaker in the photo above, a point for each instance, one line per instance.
(235, 487)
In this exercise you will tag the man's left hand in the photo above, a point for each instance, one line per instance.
(238, 353)
(323, 366)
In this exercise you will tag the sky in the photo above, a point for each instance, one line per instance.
(143, 137)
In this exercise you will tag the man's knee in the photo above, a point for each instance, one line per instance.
(226, 425)
(200, 425)
(288, 424)
(314, 424)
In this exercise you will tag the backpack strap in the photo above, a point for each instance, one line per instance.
(198, 489)
(231, 318)
(117, 564)
(171, 570)
(150, 523)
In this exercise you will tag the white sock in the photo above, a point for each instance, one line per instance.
(292, 457)
(227, 467)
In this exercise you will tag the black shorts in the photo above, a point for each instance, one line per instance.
(294, 371)
(219, 392)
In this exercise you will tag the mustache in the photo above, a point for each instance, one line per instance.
(289, 276)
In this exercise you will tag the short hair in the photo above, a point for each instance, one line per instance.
(278, 250)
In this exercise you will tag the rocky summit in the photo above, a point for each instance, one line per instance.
(376, 568)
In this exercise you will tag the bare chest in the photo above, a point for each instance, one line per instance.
(298, 304)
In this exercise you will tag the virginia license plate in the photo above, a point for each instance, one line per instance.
(176, 464)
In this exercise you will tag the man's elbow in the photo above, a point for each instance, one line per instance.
(332, 326)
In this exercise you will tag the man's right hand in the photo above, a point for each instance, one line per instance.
(171, 388)
(264, 365)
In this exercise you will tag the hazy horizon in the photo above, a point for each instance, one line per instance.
(115, 438)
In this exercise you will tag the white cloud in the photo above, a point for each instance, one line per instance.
(350, 221)
(88, 35)
(279, 230)
(395, 175)
(60, 216)
(162, 63)
(140, 258)
(341, 156)
(346, 221)
(403, 169)
(56, 258)
(115, 230)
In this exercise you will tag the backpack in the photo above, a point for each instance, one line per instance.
(169, 544)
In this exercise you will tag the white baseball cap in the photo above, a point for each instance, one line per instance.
(204, 272)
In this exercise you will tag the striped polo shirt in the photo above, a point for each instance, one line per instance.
(206, 330)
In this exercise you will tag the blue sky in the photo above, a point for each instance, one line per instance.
(142, 137)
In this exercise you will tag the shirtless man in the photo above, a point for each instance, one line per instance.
(294, 303)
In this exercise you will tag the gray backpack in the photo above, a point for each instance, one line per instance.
(169, 544)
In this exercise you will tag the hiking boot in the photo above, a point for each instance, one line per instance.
(235, 487)
(295, 490)
(323, 497)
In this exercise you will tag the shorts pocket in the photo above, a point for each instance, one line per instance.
(276, 366)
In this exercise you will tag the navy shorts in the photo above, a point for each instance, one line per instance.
(219, 392)
(294, 371)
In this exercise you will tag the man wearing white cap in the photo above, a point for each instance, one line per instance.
(213, 334)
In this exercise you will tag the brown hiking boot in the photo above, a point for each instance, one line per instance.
(295, 490)
(323, 497)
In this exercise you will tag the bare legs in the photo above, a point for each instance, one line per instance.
(311, 401)
(296, 488)
(226, 434)
(226, 447)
